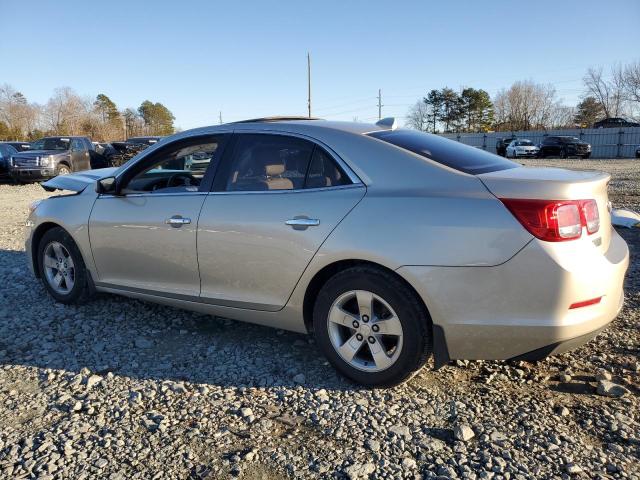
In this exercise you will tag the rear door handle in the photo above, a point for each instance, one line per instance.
(302, 223)
(177, 221)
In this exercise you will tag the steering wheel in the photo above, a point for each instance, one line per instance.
(182, 180)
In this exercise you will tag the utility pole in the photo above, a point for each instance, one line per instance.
(220, 116)
(379, 104)
(309, 83)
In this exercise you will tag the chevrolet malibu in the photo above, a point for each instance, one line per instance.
(389, 245)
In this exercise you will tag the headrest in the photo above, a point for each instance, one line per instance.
(273, 170)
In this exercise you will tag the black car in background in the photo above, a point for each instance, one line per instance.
(638, 151)
(502, 144)
(19, 146)
(564, 147)
(614, 122)
(6, 152)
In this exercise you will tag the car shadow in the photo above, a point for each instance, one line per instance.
(147, 341)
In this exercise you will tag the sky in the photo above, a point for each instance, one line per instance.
(248, 59)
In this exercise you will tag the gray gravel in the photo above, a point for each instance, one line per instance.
(123, 389)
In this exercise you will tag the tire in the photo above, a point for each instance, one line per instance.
(76, 281)
(62, 169)
(563, 153)
(409, 351)
(586, 156)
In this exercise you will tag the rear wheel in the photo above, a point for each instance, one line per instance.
(62, 268)
(372, 327)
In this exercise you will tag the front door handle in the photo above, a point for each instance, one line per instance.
(177, 221)
(302, 223)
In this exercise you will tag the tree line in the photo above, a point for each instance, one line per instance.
(67, 113)
(527, 105)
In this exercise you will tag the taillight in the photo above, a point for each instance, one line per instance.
(555, 220)
(590, 215)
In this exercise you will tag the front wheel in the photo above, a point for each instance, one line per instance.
(62, 268)
(63, 169)
(586, 156)
(372, 327)
(563, 153)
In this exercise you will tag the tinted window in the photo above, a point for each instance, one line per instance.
(446, 152)
(323, 171)
(268, 162)
(7, 151)
(77, 144)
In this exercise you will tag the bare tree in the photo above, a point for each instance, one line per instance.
(630, 80)
(16, 113)
(608, 92)
(67, 113)
(525, 106)
(418, 116)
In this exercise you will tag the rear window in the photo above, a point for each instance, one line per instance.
(444, 151)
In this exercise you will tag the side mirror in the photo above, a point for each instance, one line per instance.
(107, 185)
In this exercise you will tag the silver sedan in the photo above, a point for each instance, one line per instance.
(389, 245)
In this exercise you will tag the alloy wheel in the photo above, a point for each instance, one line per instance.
(59, 268)
(365, 331)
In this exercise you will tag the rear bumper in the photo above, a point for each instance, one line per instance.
(520, 309)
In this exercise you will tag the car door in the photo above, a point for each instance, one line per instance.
(79, 155)
(144, 239)
(275, 201)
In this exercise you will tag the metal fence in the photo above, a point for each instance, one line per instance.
(605, 142)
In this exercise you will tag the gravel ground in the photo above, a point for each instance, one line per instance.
(121, 389)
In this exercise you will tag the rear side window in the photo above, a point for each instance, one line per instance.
(444, 151)
(268, 162)
(323, 171)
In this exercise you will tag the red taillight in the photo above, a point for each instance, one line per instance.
(555, 220)
(586, 303)
(591, 216)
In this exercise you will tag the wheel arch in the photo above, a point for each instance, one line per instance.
(35, 242)
(325, 273)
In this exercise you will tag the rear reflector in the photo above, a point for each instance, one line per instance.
(555, 220)
(586, 303)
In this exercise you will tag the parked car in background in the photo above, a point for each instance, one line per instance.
(6, 152)
(638, 151)
(564, 147)
(522, 148)
(144, 140)
(300, 224)
(52, 156)
(19, 146)
(501, 145)
(614, 122)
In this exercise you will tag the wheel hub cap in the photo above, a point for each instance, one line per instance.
(365, 331)
(59, 269)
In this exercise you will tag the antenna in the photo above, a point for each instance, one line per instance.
(309, 83)
(220, 116)
(379, 104)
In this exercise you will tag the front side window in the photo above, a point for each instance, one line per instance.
(268, 162)
(181, 169)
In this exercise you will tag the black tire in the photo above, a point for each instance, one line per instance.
(563, 153)
(81, 289)
(63, 169)
(415, 321)
(586, 156)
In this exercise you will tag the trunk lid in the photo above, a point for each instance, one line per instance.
(556, 184)
(77, 182)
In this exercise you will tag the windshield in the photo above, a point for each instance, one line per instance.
(51, 144)
(444, 151)
(568, 139)
(524, 143)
